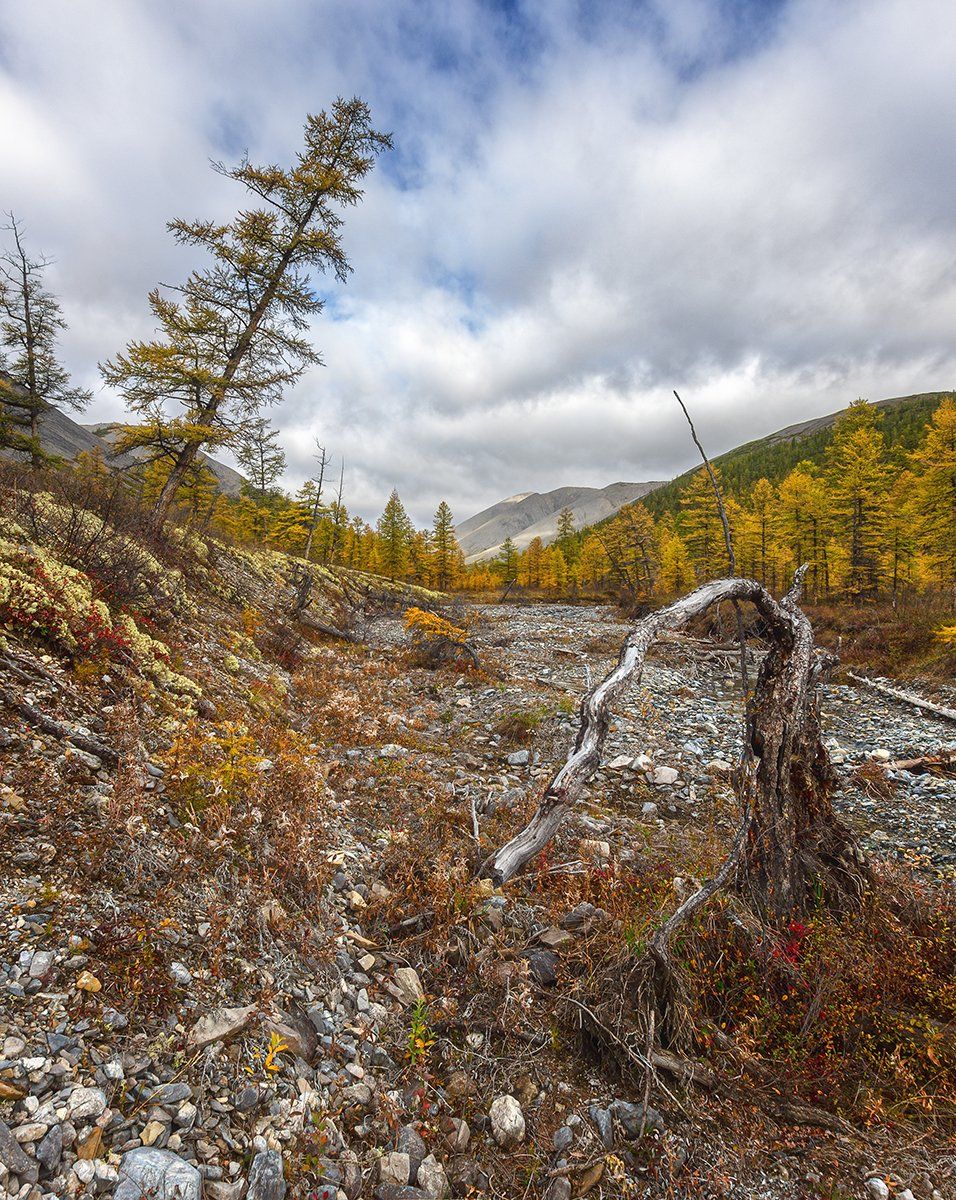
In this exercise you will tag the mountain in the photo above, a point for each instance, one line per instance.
(532, 514)
(106, 432)
(773, 456)
(535, 514)
(65, 438)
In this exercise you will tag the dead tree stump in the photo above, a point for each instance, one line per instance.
(792, 852)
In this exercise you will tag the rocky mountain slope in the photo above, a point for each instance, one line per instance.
(535, 514)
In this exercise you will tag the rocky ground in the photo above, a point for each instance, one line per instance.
(170, 1026)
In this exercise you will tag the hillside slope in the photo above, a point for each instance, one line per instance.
(535, 514)
(773, 456)
(63, 437)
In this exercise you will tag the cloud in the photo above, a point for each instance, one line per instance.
(587, 206)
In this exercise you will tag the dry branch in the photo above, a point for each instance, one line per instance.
(905, 697)
(792, 840)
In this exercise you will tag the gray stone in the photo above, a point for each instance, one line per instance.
(558, 1189)
(395, 1168)
(220, 1025)
(50, 1150)
(14, 1159)
(248, 1098)
(507, 1122)
(408, 985)
(86, 1104)
(634, 1118)
(603, 1123)
(266, 1181)
(432, 1178)
(171, 1093)
(41, 964)
(158, 1174)
(519, 758)
(543, 965)
(563, 1139)
(409, 1141)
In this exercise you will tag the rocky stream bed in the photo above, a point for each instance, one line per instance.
(95, 1100)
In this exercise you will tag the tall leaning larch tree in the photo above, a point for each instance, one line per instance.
(234, 335)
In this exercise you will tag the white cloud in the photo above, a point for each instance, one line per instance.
(586, 208)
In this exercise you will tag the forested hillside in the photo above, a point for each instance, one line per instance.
(772, 457)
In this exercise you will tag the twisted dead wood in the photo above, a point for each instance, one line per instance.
(792, 843)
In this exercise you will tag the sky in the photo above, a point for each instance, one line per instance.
(588, 204)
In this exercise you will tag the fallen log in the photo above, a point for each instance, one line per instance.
(943, 763)
(905, 697)
(41, 721)
(345, 635)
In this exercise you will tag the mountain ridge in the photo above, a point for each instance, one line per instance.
(772, 456)
(528, 515)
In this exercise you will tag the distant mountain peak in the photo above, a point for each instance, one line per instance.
(528, 515)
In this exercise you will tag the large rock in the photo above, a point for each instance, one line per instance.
(86, 1103)
(220, 1025)
(266, 1181)
(507, 1122)
(158, 1174)
(14, 1159)
(408, 986)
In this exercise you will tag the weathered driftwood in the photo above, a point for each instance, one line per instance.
(791, 843)
(311, 622)
(905, 697)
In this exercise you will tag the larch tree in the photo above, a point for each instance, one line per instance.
(33, 379)
(676, 569)
(802, 523)
(445, 552)
(934, 493)
(261, 457)
(631, 546)
(529, 570)
(592, 565)
(394, 538)
(857, 483)
(566, 529)
(508, 560)
(233, 336)
(701, 529)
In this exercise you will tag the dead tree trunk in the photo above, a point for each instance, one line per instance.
(794, 844)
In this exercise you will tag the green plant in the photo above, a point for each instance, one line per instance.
(420, 1035)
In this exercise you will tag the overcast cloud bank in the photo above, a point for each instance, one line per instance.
(588, 205)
